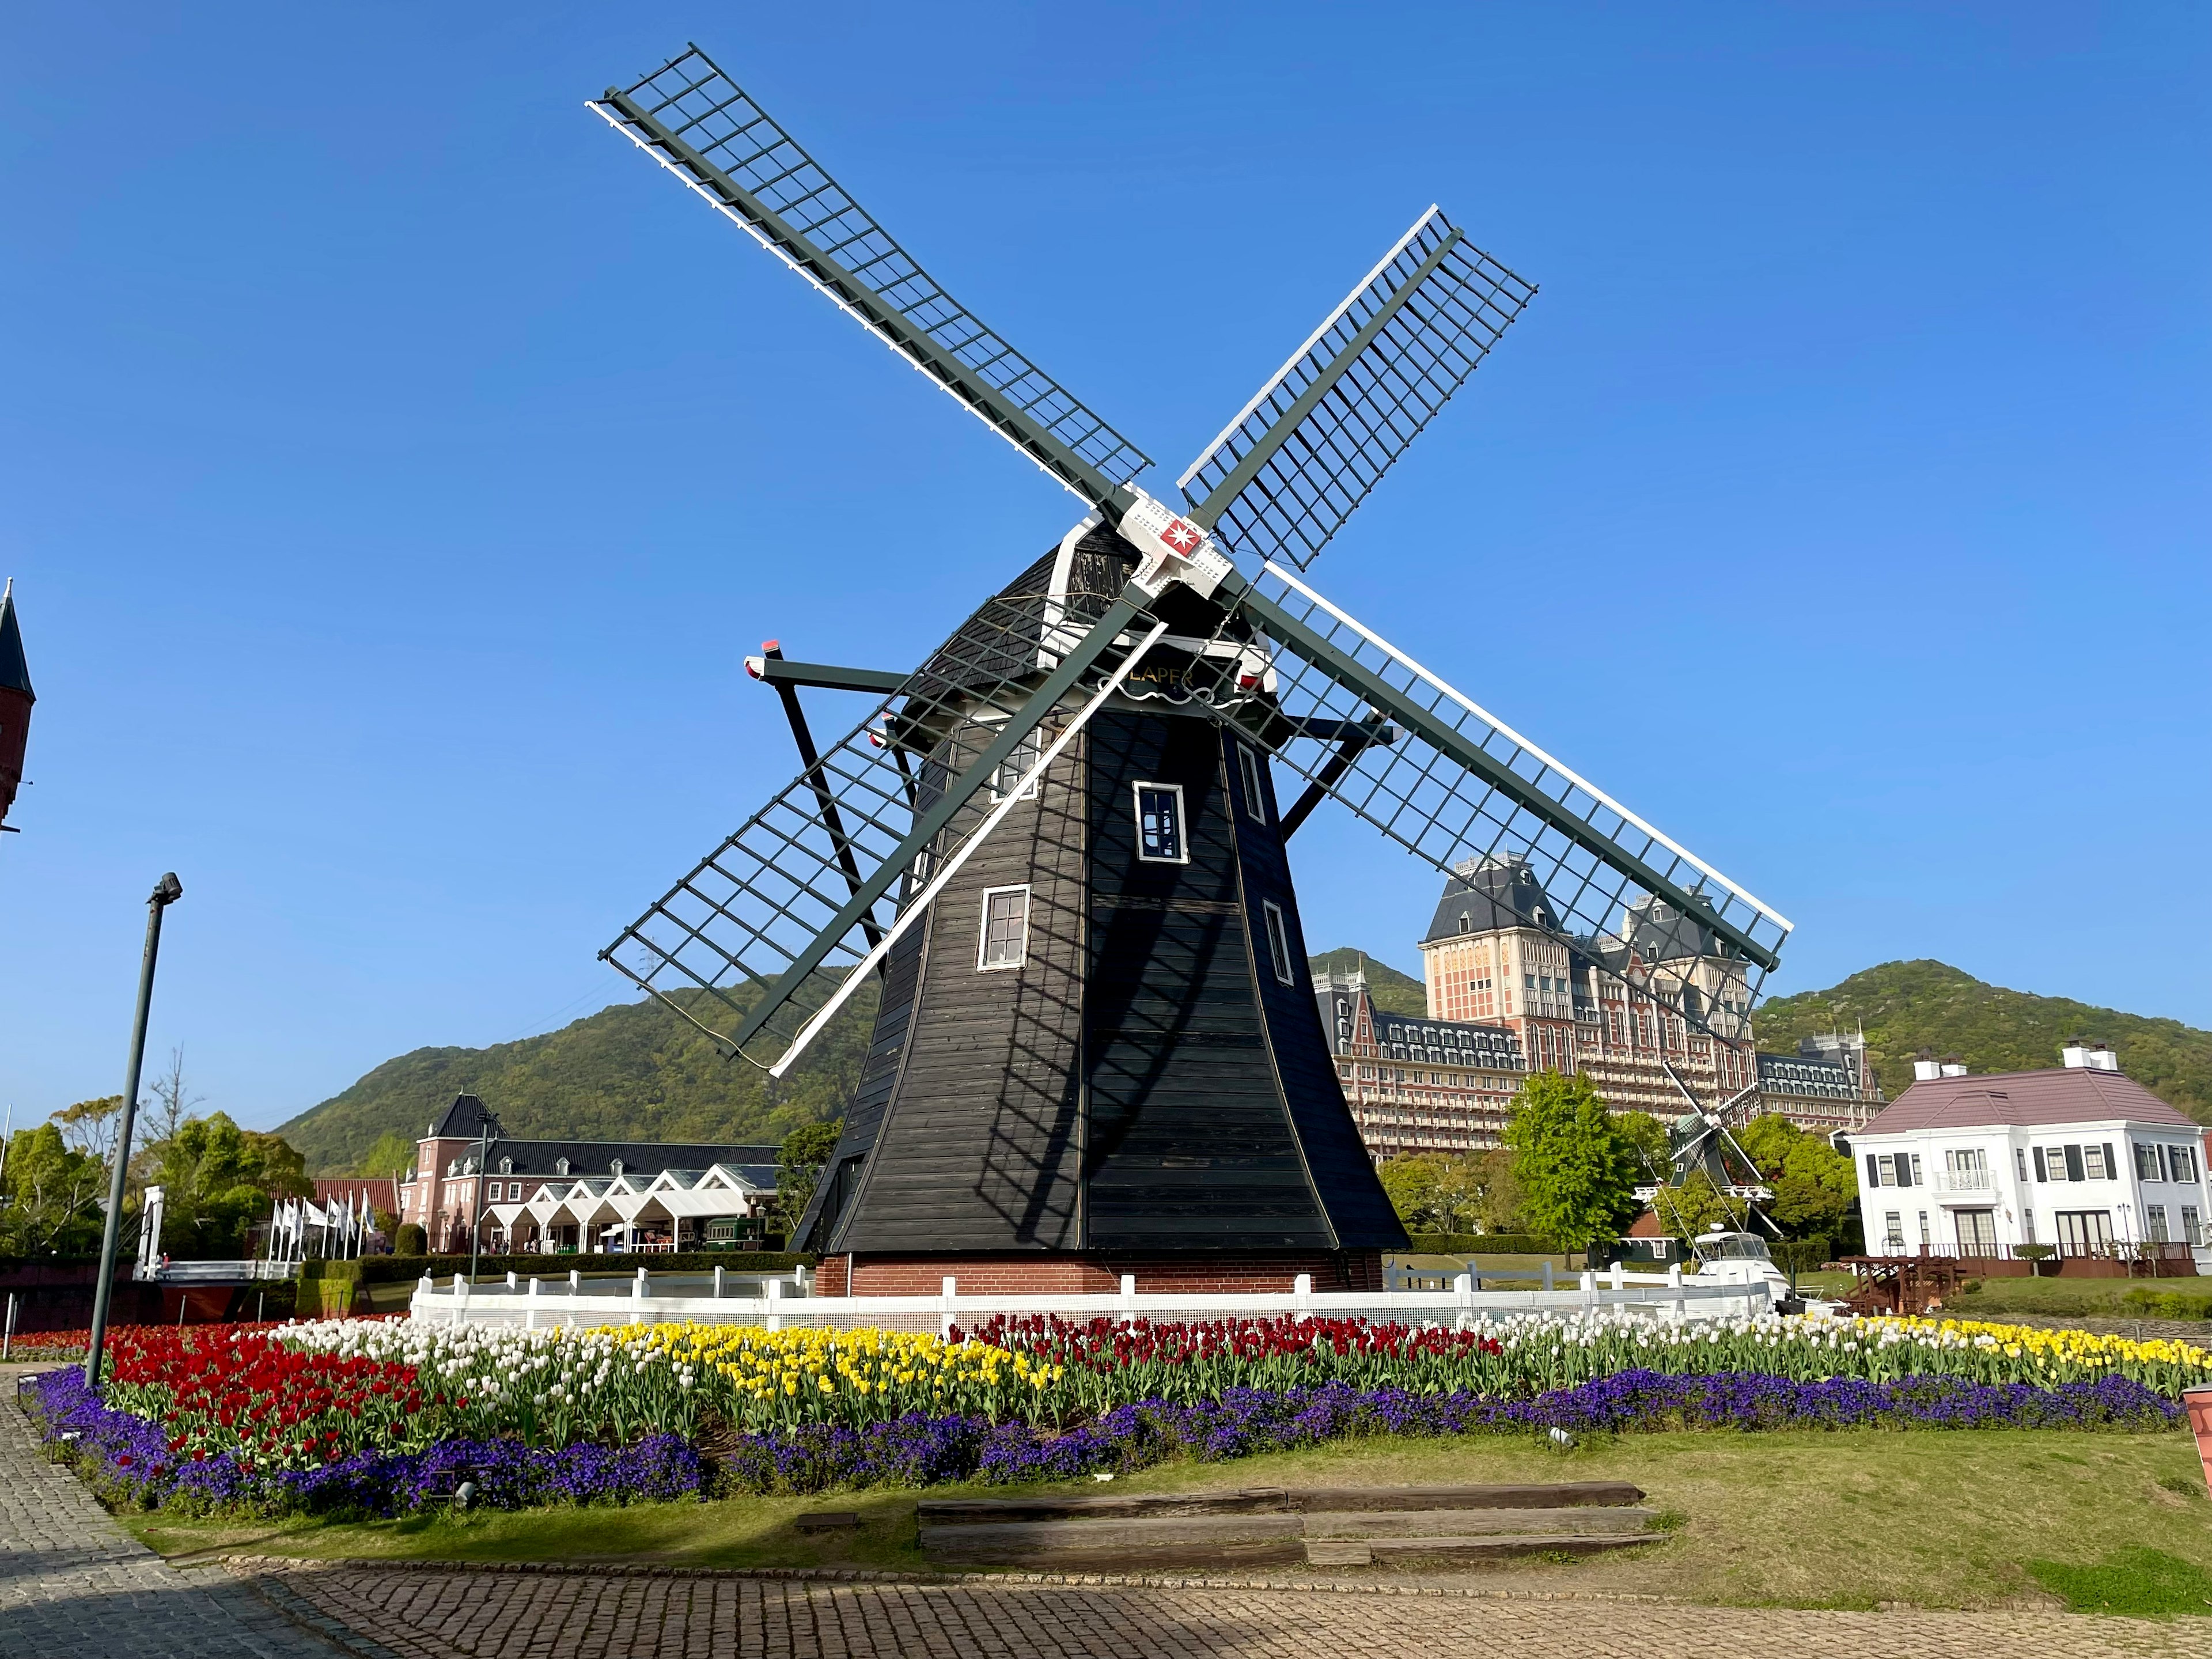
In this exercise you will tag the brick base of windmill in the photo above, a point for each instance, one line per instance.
(1099, 1273)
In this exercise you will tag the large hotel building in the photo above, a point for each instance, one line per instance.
(1509, 993)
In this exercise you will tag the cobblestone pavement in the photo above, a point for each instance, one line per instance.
(429, 1613)
(73, 1583)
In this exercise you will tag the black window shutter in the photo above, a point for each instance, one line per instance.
(2111, 1169)
(2075, 1168)
(2039, 1163)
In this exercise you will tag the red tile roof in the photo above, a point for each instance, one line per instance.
(2063, 1095)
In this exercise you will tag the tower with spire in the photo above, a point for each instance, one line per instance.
(15, 700)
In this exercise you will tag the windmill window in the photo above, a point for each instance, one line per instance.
(1009, 771)
(1279, 941)
(1247, 772)
(1006, 940)
(1159, 824)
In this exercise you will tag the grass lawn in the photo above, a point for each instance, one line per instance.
(1936, 1519)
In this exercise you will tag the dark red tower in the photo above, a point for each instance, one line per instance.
(15, 700)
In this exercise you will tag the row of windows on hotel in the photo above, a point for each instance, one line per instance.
(1160, 840)
(2081, 1233)
(2088, 1161)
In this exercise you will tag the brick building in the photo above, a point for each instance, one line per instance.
(1508, 993)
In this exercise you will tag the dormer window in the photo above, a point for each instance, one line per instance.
(615, 1167)
(507, 1166)
(561, 1166)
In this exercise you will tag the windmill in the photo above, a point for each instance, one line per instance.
(1053, 853)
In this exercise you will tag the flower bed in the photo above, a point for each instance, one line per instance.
(384, 1416)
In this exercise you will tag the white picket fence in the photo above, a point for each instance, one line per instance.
(784, 1304)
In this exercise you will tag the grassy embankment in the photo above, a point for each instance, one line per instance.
(1934, 1518)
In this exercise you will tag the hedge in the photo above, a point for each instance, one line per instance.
(1483, 1244)
(2147, 1303)
(394, 1269)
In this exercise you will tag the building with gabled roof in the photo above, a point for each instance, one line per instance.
(1417, 1086)
(2078, 1158)
(596, 1182)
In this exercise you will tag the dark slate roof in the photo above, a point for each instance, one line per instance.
(1454, 1042)
(15, 672)
(1660, 931)
(2063, 1095)
(1492, 893)
(637, 1157)
(463, 1118)
(1807, 1074)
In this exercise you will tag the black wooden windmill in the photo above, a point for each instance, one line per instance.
(1057, 846)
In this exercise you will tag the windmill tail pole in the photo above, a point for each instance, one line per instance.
(165, 892)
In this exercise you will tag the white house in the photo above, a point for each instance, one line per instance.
(2078, 1157)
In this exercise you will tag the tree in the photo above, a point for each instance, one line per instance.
(392, 1155)
(1411, 1184)
(1646, 1139)
(172, 1103)
(1495, 1200)
(1697, 1207)
(90, 1127)
(49, 1195)
(219, 1180)
(1576, 1171)
(798, 1166)
(1815, 1186)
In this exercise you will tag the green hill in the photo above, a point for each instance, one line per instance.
(1392, 991)
(632, 1071)
(1908, 1006)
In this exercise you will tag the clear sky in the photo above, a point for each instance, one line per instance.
(397, 466)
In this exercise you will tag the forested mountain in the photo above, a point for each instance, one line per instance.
(1392, 991)
(632, 1071)
(637, 1071)
(1908, 1006)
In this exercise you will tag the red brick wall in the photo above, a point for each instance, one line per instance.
(1098, 1273)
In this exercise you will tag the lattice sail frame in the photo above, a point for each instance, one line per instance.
(1283, 477)
(1622, 896)
(711, 133)
(951, 744)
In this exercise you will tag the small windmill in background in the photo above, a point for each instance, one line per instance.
(15, 700)
(1054, 846)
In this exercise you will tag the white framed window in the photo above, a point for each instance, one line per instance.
(2154, 1222)
(1279, 941)
(1160, 837)
(1248, 774)
(1009, 771)
(1005, 934)
(2189, 1233)
(2183, 1161)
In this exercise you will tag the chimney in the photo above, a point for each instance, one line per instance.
(2076, 1054)
(1953, 1067)
(2102, 1058)
(1924, 1068)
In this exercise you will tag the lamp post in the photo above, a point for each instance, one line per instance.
(484, 1137)
(166, 892)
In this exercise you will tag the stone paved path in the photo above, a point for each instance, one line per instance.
(74, 1585)
(423, 1613)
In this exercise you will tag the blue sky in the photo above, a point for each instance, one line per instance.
(397, 466)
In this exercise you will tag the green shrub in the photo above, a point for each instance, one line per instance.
(2146, 1304)
(1482, 1244)
(410, 1240)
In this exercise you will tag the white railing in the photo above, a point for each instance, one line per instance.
(783, 1304)
(213, 1273)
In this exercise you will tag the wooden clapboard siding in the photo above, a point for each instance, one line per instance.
(1143, 1082)
(1189, 1139)
(980, 1146)
(1336, 1158)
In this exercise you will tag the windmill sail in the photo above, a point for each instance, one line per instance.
(762, 932)
(1285, 474)
(1529, 841)
(713, 135)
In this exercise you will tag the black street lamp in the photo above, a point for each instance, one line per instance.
(166, 892)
